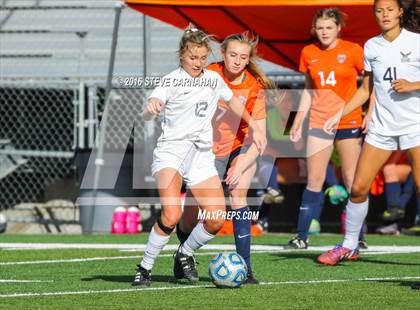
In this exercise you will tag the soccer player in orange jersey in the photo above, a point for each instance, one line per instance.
(331, 67)
(235, 152)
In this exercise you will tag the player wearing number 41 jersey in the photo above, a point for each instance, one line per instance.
(392, 66)
(331, 67)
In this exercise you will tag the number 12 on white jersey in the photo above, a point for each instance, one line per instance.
(330, 79)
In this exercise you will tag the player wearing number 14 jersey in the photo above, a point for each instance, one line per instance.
(331, 67)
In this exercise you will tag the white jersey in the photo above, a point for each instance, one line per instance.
(394, 113)
(190, 104)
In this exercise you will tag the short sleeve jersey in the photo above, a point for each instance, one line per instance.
(190, 104)
(394, 113)
(334, 79)
(230, 131)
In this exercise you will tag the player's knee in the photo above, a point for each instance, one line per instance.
(389, 172)
(359, 191)
(170, 219)
(214, 225)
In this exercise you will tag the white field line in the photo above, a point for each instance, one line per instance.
(173, 247)
(24, 281)
(256, 249)
(15, 295)
(89, 259)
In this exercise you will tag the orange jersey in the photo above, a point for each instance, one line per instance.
(334, 76)
(230, 131)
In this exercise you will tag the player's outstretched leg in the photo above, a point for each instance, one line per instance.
(210, 197)
(370, 162)
(159, 236)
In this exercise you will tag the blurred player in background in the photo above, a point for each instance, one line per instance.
(331, 67)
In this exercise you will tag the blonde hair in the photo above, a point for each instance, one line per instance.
(252, 41)
(330, 13)
(194, 37)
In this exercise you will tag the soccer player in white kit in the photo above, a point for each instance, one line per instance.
(188, 97)
(392, 67)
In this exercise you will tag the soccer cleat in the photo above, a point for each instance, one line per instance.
(362, 245)
(336, 194)
(262, 224)
(412, 231)
(250, 280)
(390, 230)
(393, 214)
(355, 255)
(185, 266)
(415, 286)
(272, 195)
(338, 254)
(142, 277)
(296, 244)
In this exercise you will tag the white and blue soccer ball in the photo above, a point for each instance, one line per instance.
(227, 270)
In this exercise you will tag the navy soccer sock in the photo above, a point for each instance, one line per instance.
(392, 193)
(311, 203)
(267, 174)
(242, 231)
(408, 190)
(316, 212)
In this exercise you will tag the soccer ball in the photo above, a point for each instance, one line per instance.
(227, 270)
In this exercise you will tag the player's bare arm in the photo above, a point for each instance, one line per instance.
(258, 134)
(359, 98)
(404, 86)
(247, 160)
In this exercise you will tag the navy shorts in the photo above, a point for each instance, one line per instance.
(340, 134)
(223, 163)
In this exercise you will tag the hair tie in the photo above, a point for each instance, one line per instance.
(192, 30)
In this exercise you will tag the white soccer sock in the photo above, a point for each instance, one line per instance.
(355, 215)
(155, 244)
(198, 237)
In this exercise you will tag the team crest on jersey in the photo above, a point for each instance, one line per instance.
(405, 57)
(341, 58)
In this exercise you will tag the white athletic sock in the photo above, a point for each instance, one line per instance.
(155, 244)
(198, 237)
(355, 215)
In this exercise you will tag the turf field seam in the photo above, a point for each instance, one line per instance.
(128, 290)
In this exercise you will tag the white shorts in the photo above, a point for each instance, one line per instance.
(391, 143)
(195, 165)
